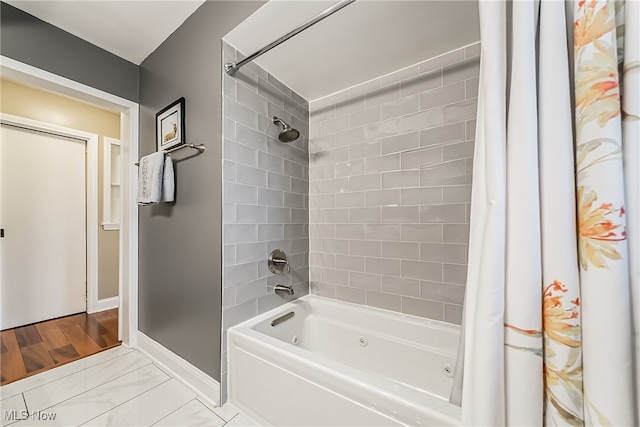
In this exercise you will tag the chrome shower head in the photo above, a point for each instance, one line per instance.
(287, 134)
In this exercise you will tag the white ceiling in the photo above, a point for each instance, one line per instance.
(365, 40)
(129, 29)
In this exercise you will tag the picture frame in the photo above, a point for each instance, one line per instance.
(170, 126)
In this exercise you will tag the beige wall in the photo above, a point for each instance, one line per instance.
(36, 104)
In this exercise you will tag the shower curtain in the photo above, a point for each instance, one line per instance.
(552, 297)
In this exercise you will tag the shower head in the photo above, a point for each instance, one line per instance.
(287, 134)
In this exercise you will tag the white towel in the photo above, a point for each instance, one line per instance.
(155, 179)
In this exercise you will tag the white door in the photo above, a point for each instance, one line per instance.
(42, 212)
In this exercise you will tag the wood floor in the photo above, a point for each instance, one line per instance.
(31, 349)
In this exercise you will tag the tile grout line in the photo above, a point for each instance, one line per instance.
(218, 407)
(99, 385)
(195, 399)
(174, 411)
(126, 401)
(230, 419)
(25, 403)
(162, 370)
(72, 373)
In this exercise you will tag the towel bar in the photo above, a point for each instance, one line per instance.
(200, 147)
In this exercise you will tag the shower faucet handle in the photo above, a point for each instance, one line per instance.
(278, 261)
(283, 262)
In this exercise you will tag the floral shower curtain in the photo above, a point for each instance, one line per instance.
(552, 290)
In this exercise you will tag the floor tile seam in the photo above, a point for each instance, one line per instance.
(175, 410)
(99, 385)
(195, 399)
(64, 376)
(126, 401)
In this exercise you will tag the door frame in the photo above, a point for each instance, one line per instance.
(91, 193)
(129, 130)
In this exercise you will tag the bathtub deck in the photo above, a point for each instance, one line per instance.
(330, 362)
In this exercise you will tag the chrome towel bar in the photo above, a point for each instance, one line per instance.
(200, 147)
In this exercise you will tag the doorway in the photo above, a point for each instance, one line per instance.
(128, 245)
(33, 115)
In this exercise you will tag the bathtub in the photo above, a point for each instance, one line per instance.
(333, 363)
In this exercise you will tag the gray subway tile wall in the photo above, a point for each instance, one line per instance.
(371, 204)
(390, 188)
(265, 193)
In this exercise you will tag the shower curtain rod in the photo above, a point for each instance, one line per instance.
(232, 67)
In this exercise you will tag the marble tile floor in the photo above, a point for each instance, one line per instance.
(117, 387)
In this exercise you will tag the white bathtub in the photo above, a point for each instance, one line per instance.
(341, 364)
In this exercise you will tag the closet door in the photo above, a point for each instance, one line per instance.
(43, 214)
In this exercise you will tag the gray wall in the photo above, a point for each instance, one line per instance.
(32, 41)
(390, 185)
(180, 288)
(266, 193)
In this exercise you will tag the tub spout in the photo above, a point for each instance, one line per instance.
(283, 289)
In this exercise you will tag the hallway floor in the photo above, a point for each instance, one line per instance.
(116, 387)
(31, 349)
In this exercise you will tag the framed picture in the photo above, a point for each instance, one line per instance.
(170, 126)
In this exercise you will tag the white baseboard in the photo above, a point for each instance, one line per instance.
(105, 304)
(206, 387)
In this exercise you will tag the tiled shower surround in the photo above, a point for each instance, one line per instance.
(390, 188)
(265, 193)
(372, 209)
